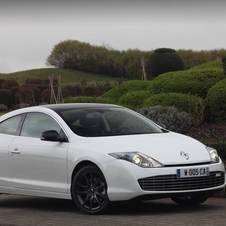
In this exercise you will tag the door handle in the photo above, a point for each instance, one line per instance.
(15, 151)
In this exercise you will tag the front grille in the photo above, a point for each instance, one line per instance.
(172, 183)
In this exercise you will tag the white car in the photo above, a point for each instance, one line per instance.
(97, 154)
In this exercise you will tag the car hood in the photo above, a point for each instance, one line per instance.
(167, 148)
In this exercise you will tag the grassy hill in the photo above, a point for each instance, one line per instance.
(68, 76)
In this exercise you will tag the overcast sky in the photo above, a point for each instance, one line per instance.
(30, 29)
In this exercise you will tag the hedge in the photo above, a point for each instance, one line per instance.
(216, 101)
(195, 82)
(115, 93)
(134, 99)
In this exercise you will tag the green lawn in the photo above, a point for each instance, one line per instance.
(67, 76)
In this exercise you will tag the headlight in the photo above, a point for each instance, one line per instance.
(137, 158)
(213, 155)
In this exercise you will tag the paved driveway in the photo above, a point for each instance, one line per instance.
(29, 211)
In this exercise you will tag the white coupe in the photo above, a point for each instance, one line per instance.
(97, 154)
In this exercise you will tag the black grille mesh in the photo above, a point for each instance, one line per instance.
(172, 183)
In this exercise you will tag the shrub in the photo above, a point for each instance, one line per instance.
(34, 81)
(216, 101)
(25, 95)
(163, 60)
(193, 105)
(224, 64)
(6, 97)
(115, 93)
(134, 99)
(209, 65)
(181, 101)
(45, 95)
(173, 119)
(104, 100)
(8, 84)
(71, 89)
(82, 99)
(2, 81)
(3, 107)
(195, 82)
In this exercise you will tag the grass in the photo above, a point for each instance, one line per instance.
(68, 76)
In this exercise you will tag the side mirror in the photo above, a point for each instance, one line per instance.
(52, 135)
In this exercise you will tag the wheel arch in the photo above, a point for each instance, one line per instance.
(80, 166)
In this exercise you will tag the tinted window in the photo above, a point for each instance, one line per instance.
(11, 126)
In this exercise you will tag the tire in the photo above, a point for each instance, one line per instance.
(89, 190)
(190, 200)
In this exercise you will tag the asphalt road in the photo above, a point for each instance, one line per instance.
(29, 211)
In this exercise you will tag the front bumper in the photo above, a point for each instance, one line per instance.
(127, 181)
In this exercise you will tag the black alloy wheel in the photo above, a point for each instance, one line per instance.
(89, 190)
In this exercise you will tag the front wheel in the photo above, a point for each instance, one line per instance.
(89, 190)
(190, 199)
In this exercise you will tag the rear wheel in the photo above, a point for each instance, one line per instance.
(190, 199)
(89, 190)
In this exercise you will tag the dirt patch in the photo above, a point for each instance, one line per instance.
(209, 132)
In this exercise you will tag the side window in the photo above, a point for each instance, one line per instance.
(11, 126)
(36, 123)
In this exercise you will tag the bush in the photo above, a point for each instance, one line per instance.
(216, 101)
(163, 60)
(193, 105)
(3, 107)
(85, 99)
(209, 65)
(134, 99)
(182, 102)
(26, 95)
(115, 93)
(82, 99)
(224, 64)
(8, 84)
(2, 81)
(174, 120)
(35, 81)
(6, 97)
(195, 82)
(45, 95)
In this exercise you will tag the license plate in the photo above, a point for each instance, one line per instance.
(193, 172)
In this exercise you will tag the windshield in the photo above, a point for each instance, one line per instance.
(91, 122)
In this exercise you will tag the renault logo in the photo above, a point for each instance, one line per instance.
(185, 155)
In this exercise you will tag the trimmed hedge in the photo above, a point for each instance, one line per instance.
(195, 82)
(216, 101)
(183, 102)
(134, 99)
(209, 65)
(115, 93)
(163, 60)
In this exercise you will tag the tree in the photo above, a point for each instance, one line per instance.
(163, 60)
(224, 64)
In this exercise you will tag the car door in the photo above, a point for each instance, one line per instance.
(9, 129)
(36, 164)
